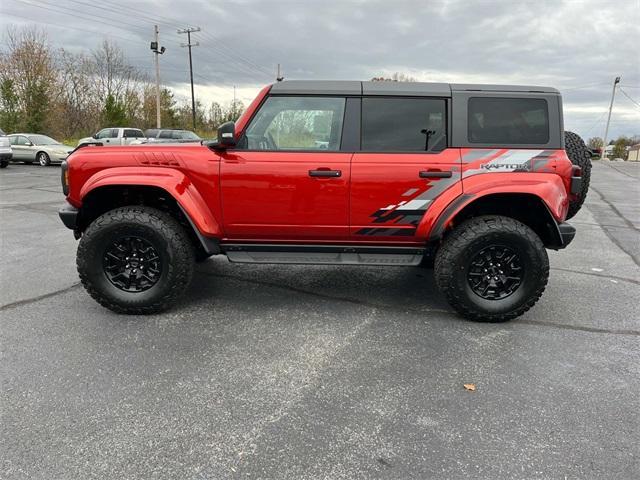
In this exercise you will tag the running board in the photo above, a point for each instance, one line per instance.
(322, 255)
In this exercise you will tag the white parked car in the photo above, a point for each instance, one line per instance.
(32, 147)
(5, 150)
(115, 136)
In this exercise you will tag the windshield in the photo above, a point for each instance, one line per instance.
(42, 140)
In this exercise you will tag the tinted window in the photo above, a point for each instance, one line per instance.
(297, 123)
(403, 124)
(132, 133)
(165, 134)
(508, 120)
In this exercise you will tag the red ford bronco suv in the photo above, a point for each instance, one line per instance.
(478, 179)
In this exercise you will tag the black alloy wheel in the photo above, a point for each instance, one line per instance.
(495, 272)
(132, 264)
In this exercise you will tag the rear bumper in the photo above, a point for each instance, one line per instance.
(567, 232)
(69, 216)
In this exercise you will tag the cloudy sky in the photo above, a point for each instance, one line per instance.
(577, 46)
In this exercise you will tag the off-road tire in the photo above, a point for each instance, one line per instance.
(43, 159)
(4, 164)
(579, 155)
(454, 258)
(166, 235)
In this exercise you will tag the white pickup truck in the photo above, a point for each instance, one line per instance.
(115, 136)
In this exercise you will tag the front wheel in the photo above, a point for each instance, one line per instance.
(4, 163)
(135, 260)
(492, 268)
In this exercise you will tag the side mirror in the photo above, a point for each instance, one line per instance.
(95, 135)
(227, 135)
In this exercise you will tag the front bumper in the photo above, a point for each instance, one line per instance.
(69, 216)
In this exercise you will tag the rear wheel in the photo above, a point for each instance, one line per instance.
(135, 260)
(492, 268)
(4, 163)
(43, 159)
(579, 155)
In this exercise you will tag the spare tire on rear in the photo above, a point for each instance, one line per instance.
(579, 155)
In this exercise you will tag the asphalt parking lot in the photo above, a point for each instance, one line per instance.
(319, 372)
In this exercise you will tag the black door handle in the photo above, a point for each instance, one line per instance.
(325, 173)
(427, 174)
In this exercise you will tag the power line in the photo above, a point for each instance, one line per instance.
(627, 95)
(67, 26)
(74, 13)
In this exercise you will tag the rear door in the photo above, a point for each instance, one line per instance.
(403, 166)
(288, 178)
(22, 149)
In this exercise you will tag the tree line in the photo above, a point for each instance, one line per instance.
(620, 145)
(71, 95)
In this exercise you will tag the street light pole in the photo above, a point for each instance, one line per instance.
(154, 47)
(606, 130)
(189, 31)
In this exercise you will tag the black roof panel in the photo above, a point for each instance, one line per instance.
(319, 87)
(345, 87)
(465, 87)
(418, 89)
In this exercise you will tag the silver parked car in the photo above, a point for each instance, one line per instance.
(5, 150)
(31, 147)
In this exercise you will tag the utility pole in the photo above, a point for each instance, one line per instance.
(606, 130)
(157, 51)
(189, 31)
(279, 77)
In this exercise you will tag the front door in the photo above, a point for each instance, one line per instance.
(403, 167)
(287, 178)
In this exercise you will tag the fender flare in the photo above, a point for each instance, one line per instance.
(174, 182)
(548, 188)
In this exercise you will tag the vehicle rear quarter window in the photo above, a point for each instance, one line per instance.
(132, 133)
(166, 134)
(297, 123)
(508, 121)
(403, 124)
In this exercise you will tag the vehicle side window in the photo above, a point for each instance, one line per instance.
(105, 133)
(508, 120)
(165, 134)
(132, 133)
(13, 140)
(403, 125)
(22, 140)
(297, 123)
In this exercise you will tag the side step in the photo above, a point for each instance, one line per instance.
(322, 254)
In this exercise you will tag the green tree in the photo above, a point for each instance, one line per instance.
(114, 113)
(620, 148)
(29, 65)
(9, 106)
